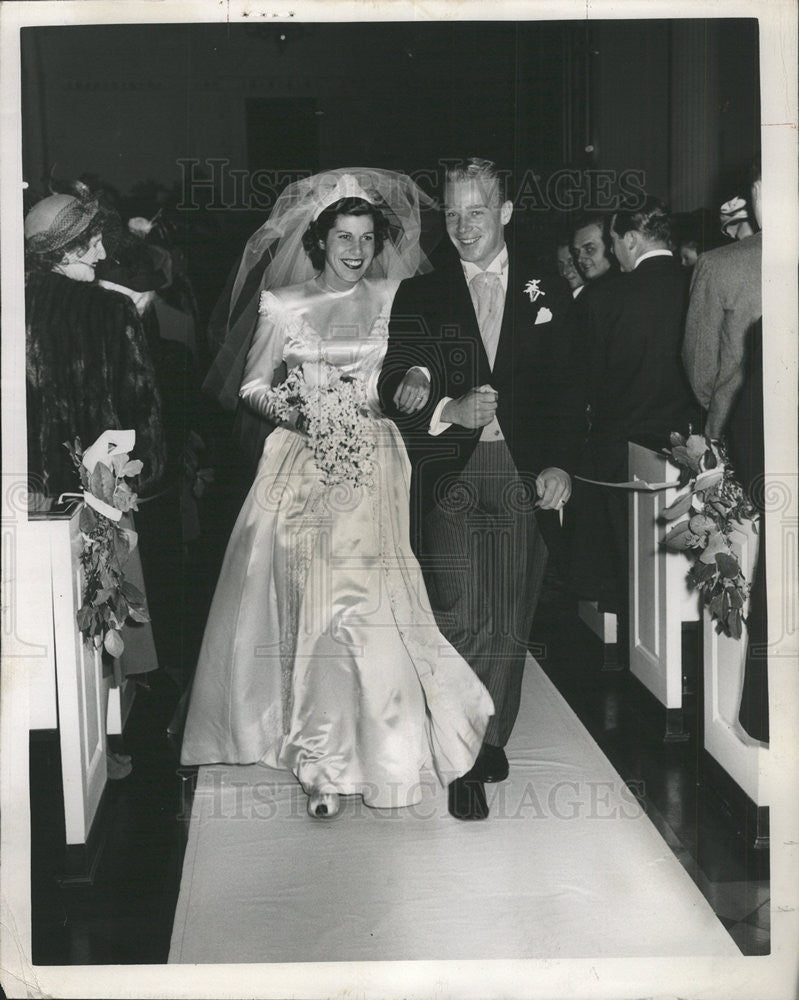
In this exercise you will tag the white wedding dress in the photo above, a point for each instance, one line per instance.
(321, 653)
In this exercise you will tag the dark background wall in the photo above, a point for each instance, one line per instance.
(676, 100)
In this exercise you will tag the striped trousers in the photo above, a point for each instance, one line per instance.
(484, 560)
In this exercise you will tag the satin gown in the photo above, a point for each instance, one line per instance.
(321, 653)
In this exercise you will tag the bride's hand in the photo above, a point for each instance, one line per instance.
(413, 391)
(296, 420)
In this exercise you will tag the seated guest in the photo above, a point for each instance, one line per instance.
(88, 366)
(635, 386)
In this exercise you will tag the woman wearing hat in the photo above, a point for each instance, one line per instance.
(88, 367)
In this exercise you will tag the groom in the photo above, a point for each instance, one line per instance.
(485, 412)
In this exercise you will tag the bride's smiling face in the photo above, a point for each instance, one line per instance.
(349, 250)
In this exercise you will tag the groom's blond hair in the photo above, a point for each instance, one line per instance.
(475, 168)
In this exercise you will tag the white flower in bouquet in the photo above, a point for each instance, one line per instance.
(332, 413)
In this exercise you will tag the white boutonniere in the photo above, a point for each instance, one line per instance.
(532, 289)
(543, 316)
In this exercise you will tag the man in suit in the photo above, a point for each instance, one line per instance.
(723, 355)
(567, 268)
(468, 377)
(725, 304)
(634, 385)
(591, 247)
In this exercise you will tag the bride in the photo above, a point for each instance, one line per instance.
(321, 653)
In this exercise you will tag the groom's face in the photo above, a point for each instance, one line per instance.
(476, 217)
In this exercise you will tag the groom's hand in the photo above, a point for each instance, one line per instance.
(476, 408)
(412, 392)
(554, 487)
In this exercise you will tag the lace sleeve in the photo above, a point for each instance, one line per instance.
(265, 354)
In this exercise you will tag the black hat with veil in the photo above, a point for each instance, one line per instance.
(279, 240)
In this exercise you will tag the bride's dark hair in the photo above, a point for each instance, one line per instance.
(326, 219)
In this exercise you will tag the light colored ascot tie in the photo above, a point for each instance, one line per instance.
(488, 297)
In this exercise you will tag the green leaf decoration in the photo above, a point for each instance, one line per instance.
(701, 524)
(708, 480)
(103, 595)
(113, 643)
(84, 616)
(120, 606)
(676, 509)
(102, 482)
(679, 537)
(696, 446)
(728, 565)
(131, 592)
(715, 545)
(734, 622)
(682, 456)
(88, 519)
(703, 571)
(138, 613)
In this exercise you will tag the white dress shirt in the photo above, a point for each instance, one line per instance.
(663, 252)
(499, 265)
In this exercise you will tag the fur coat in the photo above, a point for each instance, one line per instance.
(88, 369)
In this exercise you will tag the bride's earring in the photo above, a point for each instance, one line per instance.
(323, 805)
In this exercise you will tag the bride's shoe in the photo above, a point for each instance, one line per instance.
(323, 805)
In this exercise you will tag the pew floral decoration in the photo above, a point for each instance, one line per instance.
(702, 518)
(109, 600)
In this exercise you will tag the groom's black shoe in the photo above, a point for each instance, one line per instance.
(491, 764)
(467, 799)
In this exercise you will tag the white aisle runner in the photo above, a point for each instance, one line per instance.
(566, 866)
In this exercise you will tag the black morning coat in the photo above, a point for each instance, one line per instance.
(433, 324)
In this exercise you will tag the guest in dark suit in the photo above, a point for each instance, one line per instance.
(591, 247)
(567, 268)
(634, 385)
(469, 379)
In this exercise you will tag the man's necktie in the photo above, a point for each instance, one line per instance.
(488, 296)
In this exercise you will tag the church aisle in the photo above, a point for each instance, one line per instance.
(126, 916)
(568, 865)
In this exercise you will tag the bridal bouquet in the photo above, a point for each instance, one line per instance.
(109, 600)
(330, 408)
(704, 514)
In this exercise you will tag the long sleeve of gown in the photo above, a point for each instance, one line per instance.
(264, 356)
